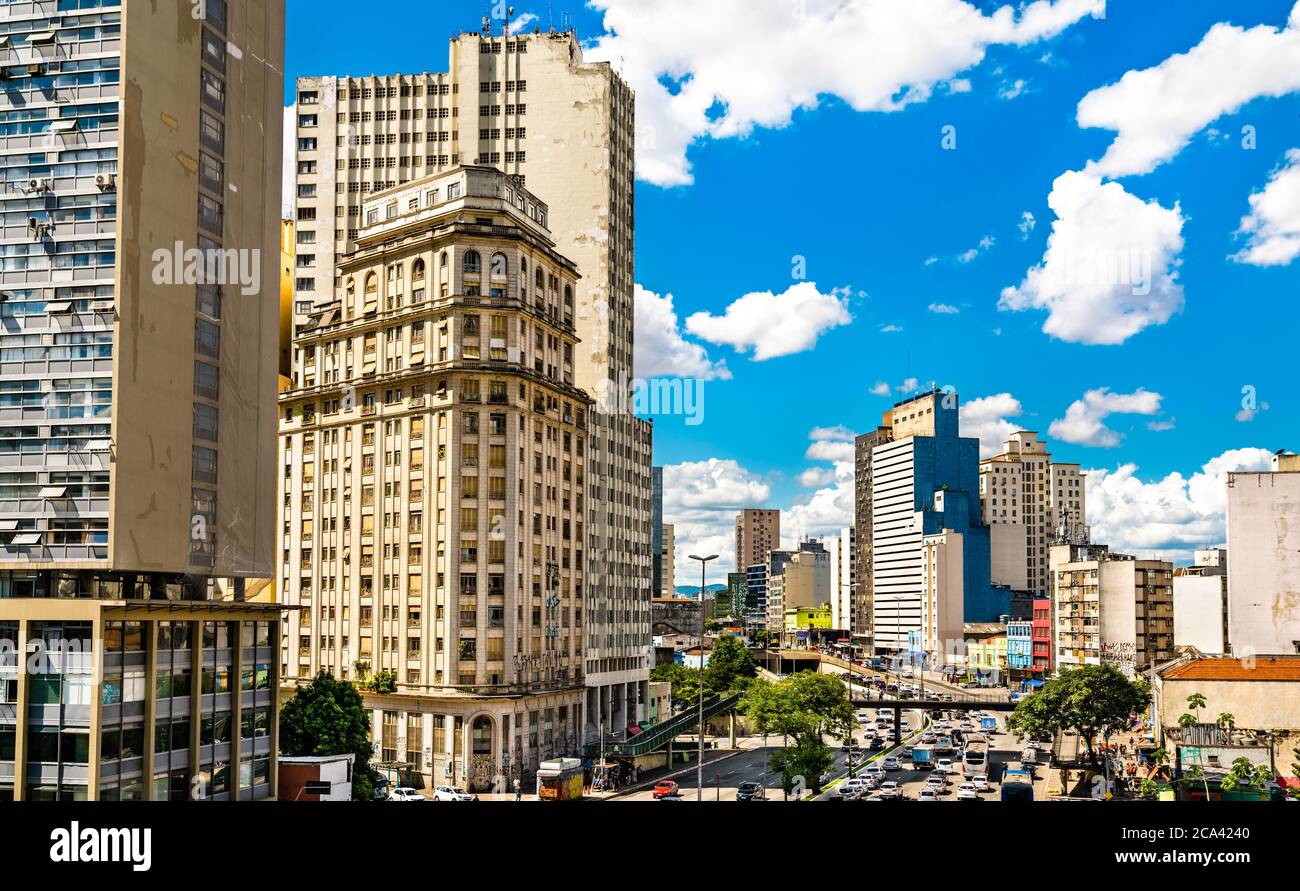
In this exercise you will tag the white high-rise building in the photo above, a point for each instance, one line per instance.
(1201, 602)
(1023, 487)
(843, 552)
(1264, 540)
(532, 107)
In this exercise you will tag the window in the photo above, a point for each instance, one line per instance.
(207, 339)
(498, 267)
(473, 262)
(206, 381)
(205, 422)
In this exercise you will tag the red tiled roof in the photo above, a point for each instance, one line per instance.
(1225, 668)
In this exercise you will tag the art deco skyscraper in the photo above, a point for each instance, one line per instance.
(530, 106)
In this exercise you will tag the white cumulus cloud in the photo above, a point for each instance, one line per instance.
(701, 500)
(1156, 111)
(660, 349)
(1169, 517)
(943, 309)
(781, 56)
(772, 325)
(986, 418)
(1111, 265)
(1084, 421)
(1273, 224)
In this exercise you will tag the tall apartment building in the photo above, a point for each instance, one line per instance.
(139, 300)
(530, 106)
(1041, 630)
(1264, 540)
(925, 482)
(797, 579)
(1024, 493)
(864, 572)
(657, 531)
(668, 561)
(843, 551)
(433, 455)
(1201, 602)
(756, 598)
(1111, 609)
(757, 532)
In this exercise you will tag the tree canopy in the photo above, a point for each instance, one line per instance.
(1093, 701)
(806, 703)
(327, 717)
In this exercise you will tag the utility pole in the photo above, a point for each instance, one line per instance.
(699, 764)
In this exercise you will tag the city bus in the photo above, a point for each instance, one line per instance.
(1017, 785)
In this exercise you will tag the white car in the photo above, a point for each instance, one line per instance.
(872, 770)
(864, 719)
(451, 793)
(945, 765)
(405, 793)
(871, 727)
(980, 782)
(890, 763)
(966, 792)
(938, 775)
(928, 793)
(890, 787)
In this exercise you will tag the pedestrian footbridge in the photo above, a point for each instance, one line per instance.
(658, 736)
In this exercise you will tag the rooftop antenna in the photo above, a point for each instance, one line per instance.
(550, 16)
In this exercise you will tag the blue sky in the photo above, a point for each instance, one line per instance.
(811, 139)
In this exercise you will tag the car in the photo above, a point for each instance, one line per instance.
(981, 782)
(966, 792)
(947, 697)
(905, 727)
(405, 793)
(907, 751)
(944, 764)
(890, 762)
(664, 789)
(928, 737)
(877, 743)
(889, 794)
(452, 793)
(890, 788)
(943, 723)
(940, 773)
(928, 793)
(751, 792)
(871, 782)
(871, 727)
(872, 770)
(864, 718)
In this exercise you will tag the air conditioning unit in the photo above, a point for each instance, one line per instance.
(35, 186)
(107, 182)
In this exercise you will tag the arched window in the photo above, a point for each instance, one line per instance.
(417, 271)
(473, 262)
(541, 279)
(442, 260)
(498, 267)
(372, 285)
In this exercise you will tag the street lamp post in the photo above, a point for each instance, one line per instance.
(699, 763)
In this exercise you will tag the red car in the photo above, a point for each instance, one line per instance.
(665, 789)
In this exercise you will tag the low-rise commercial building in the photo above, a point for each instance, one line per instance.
(1261, 694)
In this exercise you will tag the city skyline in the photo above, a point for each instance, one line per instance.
(948, 238)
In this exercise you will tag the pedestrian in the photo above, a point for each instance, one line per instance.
(519, 790)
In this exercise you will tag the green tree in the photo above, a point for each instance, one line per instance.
(684, 683)
(1093, 701)
(1226, 721)
(731, 666)
(806, 703)
(327, 717)
(1246, 775)
(802, 764)
(1148, 789)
